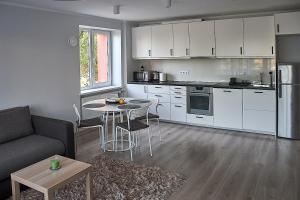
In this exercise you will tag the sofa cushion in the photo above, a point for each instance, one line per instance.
(15, 123)
(25, 151)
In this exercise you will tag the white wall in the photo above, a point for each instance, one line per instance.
(37, 66)
(207, 69)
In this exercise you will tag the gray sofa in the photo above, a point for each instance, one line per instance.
(26, 139)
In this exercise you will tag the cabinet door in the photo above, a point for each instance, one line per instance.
(163, 110)
(287, 23)
(162, 41)
(137, 91)
(228, 108)
(264, 121)
(181, 39)
(259, 36)
(229, 37)
(202, 39)
(261, 100)
(141, 42)
(178, 112)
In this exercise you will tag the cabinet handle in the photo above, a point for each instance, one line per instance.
(177, 88)
(226, 91)
(171, 52)
(145, 89)
(212, 51)
(187, 51)
(177, 97)
(177, 92)
(258, 92)
(149, 52)
(241, 50)
(157, 87)
(178, 106)
(158, 95)
(199, 117)
(272, 50)
(278, 28)
(159, 104)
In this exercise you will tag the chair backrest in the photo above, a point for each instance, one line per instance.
(154, 103)
(137, 112)
(78, 118)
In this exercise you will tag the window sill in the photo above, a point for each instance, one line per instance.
(90, 92)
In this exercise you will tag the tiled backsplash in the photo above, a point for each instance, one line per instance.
(206, 69)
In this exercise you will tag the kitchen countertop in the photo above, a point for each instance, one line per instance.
(199, 83)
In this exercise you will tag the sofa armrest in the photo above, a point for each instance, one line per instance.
(56, 129)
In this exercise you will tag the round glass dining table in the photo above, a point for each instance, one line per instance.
(113, 109)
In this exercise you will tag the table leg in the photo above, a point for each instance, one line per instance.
(49, 195)
(113, 131)
(89, 193)
(15, 190)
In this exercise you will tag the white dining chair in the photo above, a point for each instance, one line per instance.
(88, 123)
(153, 116)
(132, 126)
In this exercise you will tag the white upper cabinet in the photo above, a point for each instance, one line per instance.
(181, 39)
(141, 42)
(162, 41)
(259, 36)
(229, 38)
(202, 39)
(287, 23)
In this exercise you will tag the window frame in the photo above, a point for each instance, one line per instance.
(92, 83)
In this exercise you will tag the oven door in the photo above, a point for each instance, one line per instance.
(200, 103)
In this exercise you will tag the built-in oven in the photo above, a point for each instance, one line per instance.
(200, 100)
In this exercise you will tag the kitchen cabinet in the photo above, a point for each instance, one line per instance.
(162, 41)
(228, 108)
(137, 91)
(163, 110)
(165, 98)
(259, 110)
(259, 37)
(141, 42)
(229, 38)
(181, 40)
(202, 39)
(178, 112)
(287, 23)
(160, 89)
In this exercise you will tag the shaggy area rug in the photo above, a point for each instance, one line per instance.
(118, 180)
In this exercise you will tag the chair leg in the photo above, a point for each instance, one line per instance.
(76, 139)
(103, 139)
(149, 137)
(130, 145)
(159, 130)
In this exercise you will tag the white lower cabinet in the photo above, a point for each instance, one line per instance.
(178, 112)
(228, 108)
(163, 110)
(263, 121)
(259, 110)
(137, 91)
(200, 119)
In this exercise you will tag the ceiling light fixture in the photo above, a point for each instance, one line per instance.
(116, 9)
(167, 3)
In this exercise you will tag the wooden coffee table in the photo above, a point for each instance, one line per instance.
(39, 177)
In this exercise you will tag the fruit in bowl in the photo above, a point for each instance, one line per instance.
(121, 101)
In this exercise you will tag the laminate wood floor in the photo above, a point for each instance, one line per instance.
(218, 164)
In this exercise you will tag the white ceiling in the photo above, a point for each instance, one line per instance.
(147, 10)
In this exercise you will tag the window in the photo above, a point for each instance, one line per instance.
(95, 58)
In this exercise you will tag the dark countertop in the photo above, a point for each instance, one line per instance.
(199, 83)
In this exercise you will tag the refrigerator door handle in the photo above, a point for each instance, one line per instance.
(279, 84)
